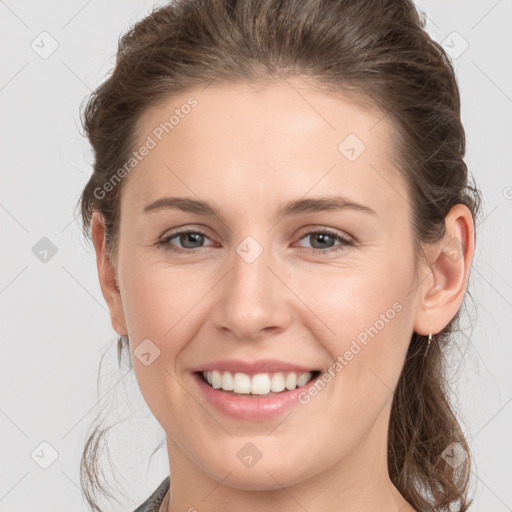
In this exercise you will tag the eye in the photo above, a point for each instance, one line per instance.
(324, 239)
(189, 238)
(192, 240)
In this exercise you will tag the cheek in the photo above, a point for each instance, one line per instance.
(160, 301)
(347, 302)
(363, 320)
(158, 308)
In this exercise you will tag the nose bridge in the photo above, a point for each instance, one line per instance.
(251, 276)
(253, 298)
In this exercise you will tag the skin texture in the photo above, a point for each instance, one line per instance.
(247, 150)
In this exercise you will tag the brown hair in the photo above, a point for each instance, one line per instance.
(376, 53)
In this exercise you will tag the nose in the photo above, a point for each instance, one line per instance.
(253, 299)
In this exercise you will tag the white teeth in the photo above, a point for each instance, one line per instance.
(302, 379)
(291, 381)
(242, 383)
(227, 381)
(216, 380)
(277, 382)
(258, 384)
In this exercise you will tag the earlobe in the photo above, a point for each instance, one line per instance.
(107, 275)
(449, 263)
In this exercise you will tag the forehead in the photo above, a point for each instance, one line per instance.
(237, 142)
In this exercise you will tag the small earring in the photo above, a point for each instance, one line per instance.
(428, 343)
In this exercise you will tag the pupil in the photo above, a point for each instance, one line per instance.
(322, 237)
(187, 236)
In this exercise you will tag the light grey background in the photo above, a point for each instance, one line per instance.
(55, 324)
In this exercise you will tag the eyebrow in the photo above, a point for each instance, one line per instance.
(291, 208)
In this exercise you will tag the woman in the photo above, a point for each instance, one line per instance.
(284, 233)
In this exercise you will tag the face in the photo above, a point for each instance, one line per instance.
(258, 289)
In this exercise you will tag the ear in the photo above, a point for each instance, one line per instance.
(107, 275)
(442, 292)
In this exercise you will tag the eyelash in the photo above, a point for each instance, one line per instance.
(165, 242)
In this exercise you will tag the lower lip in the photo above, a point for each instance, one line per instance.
(249, 408)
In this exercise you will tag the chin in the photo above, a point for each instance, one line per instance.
(266, 478)
(263, 475)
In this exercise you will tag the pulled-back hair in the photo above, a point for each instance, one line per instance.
(376, 53)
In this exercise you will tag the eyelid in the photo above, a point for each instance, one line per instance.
(323, 229)
(185, 229)
(180, 231)
(302, 233)
(344, 241)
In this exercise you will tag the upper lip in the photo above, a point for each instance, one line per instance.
(253, 367)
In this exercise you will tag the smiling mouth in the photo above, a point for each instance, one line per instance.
(259, 384)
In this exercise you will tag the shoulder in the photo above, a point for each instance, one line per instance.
(152, 504)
